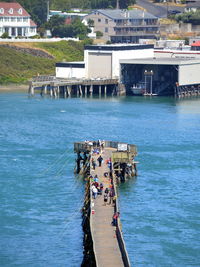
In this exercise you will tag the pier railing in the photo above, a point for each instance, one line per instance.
(83, 146)
(119, 235)
(128, 147)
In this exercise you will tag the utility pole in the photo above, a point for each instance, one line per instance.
(47, 11)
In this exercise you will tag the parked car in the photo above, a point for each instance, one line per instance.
(173, 12)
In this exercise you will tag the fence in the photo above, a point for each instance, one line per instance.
(42, 40)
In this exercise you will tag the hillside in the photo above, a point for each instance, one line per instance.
(20, 61)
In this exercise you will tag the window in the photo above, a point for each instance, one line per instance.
(106, 21)
(13, 19)
(25, 19)
(1, 29)
(1, 11)
(13, 32)
(99, 20)
(6, 19)
(19, 19)
(1, 18)
(10, 11)
(20, 11)
(106, 29)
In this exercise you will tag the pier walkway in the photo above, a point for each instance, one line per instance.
(105, 243)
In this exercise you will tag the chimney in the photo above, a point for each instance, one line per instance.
(117, 5)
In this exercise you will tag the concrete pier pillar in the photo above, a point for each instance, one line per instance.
(91, 90)
(65, 91)
(86, 90)
(31, 89)
(51, 92)
(105, 90)
(45, 89)
(77, 90)
(80, 90)
(100, 90)
(69, 89)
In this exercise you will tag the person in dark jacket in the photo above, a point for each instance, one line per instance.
(100, 159)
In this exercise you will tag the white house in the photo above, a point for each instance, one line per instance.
(16, 21)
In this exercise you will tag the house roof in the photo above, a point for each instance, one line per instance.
(197, 43)
(12, 10)
(32, 23)
(125, 14)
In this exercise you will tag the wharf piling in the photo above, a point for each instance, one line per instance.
(187, 90)
(56, 87)
(103, 240)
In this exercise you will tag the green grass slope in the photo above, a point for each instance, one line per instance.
(18, 67)
(64, 51)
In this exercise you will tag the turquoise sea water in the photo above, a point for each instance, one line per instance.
(40, 219)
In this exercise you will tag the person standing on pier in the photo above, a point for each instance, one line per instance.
(115, 217)
(111, 195)
(100, 159)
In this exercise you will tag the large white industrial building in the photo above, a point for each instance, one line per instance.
(102, 62)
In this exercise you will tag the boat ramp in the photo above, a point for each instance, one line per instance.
(103, 240)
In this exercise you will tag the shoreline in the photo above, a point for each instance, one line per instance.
(14, 88)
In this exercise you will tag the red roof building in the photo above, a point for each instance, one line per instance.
(195, 46)
(16, 21)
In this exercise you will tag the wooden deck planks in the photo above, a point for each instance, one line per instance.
(105, 243)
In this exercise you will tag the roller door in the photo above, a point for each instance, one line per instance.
(100, 65)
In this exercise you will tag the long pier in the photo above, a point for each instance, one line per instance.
(56, 87)
(103, 240)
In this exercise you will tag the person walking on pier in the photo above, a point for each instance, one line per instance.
(105, 198)
(100, 159)
(93, 164)
(94, 191)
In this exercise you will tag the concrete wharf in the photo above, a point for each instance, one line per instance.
(104, 244)
(56, 87)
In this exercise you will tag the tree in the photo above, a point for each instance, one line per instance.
(55, 22)
(80, 30)
(90, 22)
(125, 3)
(36, 8)
(189, 17)
(4, 35)
(58, 28)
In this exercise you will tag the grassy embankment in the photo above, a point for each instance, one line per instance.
(18, 66)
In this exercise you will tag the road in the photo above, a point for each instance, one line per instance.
(157, 10)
